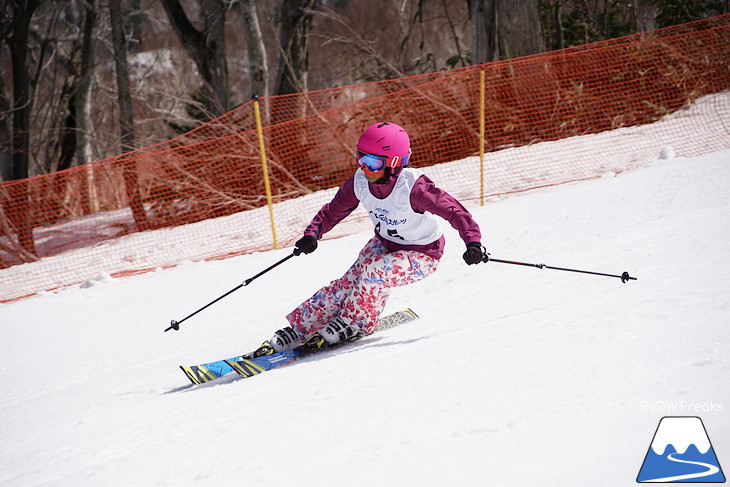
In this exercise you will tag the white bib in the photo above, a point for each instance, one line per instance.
(393, 217)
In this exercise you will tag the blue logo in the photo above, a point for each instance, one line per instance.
(681, 452)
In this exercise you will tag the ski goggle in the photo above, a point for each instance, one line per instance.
(374, 166)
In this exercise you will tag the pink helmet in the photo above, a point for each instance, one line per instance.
(385, 139)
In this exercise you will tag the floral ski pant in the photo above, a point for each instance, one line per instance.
(360, 295)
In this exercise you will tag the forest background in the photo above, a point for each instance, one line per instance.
(81, 80)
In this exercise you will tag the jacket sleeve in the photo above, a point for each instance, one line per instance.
(426, 196)
(344, 202)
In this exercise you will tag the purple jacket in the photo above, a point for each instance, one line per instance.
(425, 196)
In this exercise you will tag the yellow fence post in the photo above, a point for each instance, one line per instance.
(264, 167)
(481, 135)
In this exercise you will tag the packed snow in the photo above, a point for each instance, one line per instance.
(512, 376)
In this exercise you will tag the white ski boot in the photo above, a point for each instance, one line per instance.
(338, 331)
(285, 339)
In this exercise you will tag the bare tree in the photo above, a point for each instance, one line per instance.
(126, 113)
(17, 34)
(295, 20)
(644, 12)
(388, 40)
(257, 63)
(553, 23)
(83, 104)
(504, 29)
(484, 38)
(124, 94)
(207, 47)
(15, 29)
(6, 131)
(63, 130)
(366, 49)
(86, 74)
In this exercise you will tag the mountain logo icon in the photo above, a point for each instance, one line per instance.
(681, 452)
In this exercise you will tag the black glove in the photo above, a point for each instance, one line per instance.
(305, 245)
(475, 253)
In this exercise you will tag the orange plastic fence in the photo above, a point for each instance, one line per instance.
(201, 196)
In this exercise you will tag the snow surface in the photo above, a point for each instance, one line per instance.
(513, 376)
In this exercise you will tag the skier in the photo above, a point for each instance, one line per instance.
(406, 247)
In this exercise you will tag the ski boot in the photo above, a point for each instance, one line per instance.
(284, 339)
(288, 339)
(338, 331)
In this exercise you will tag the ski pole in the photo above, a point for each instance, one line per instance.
(625, 277)
(175, 325)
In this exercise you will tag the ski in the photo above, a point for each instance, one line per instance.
(247, 366)
(250, 366)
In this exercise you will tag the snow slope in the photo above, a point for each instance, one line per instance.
(512, 376)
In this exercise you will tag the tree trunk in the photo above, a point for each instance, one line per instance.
(257, 64)
(503, 29)
(296, 19)
(6, 132)
(83, 106)
(84, 130)
(207, 48)
(60, 149)
(22, 106)
(126, 114)
(644, 14)
(559, 27)
(63, 153)
(484, 26)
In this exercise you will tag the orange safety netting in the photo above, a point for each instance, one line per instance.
(201, 195)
